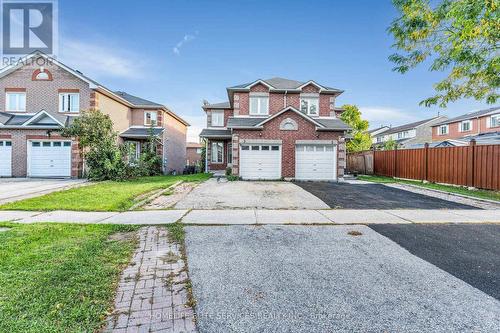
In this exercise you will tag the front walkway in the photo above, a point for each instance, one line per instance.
(260, 216)
(152, 293)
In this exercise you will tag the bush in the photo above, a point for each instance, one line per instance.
(229, 171)
(232, 178)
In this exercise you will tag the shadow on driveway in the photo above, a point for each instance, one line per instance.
(374, 196)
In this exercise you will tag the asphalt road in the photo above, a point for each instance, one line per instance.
(469, 252)
(374, 196)
(321, 279)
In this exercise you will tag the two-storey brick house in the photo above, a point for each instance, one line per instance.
(277, 128)
(40, 95)
(468, 125)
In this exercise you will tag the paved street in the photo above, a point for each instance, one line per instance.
(321, 279)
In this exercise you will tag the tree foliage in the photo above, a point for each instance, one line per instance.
(460, 37)
(361, 140)
(390, 144)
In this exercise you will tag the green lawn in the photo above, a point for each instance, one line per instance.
(104, 196)
(483, 194)
(59, 277)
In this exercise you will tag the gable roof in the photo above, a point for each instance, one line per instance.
(137, 101)
(279, 83)
(37, 118)
(408, 126)
(470, 115)
(222, 105)
(378, 129)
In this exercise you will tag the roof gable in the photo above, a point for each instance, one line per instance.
(292, 109)
(43, 118)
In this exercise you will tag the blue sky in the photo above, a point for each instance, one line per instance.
(181, 52)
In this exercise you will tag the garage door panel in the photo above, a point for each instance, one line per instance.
(260, 161)
(315, 162)
(5, 158)
(49, 159)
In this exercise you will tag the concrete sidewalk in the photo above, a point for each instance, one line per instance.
(260, 216)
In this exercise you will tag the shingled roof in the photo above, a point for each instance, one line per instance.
(470, 115)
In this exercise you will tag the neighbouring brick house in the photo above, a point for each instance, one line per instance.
(277, 128)
(193, 153)
(39, 96)
(467, 125)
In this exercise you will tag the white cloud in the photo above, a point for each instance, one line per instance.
(100, 60)
(378, 116)
(186, 39)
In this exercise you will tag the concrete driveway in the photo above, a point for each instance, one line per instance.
(363, 195)
(256, 194)
(13, 189)
(321, 279)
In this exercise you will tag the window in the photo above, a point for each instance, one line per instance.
(259, 105)
(309, 105)
(150, 118)
(275, 147)
(67, 144)
(69, 102)
(15, 101)
(57, 144)
(495, 120)
(35, 144)
(255, 147)
(465, 126)
(245, 148)
(265, 148)
(133, 151)
(229, 153)
(218, 118)
(46, 144)
(443, 130)
(217, 152)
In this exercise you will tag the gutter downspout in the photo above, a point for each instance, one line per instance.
(206, 156)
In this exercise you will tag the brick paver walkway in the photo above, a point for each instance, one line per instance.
(152, 292)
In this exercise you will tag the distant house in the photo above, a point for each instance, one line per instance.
(193, 153)
(469, 124)
(375, 133)
(405, 135)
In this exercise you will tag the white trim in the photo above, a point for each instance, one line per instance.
(447, 129)
(469, 121)
(7, 93)
(321, 88)
(257, 82)
(28, 155)
(218, 112)
(290, 108)
(43, 112)
(280, 159)
(261, 141)
(212, 152)
(155, 120)
(257, 99)
(62, 96)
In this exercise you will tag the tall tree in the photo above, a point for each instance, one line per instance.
(460, 37)
(361, 139)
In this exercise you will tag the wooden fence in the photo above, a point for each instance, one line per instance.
(473, 165)
(360, 163)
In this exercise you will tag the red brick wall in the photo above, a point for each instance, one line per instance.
(478, 126)
(19, 149)
(227, 113)
(192, 157)
(306, 131)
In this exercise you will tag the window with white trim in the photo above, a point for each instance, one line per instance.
(217, 152)
(259, 105)
(443, 130)
(69, 102)
(218, 118)
(150, 118)
(495, 120)
(15, 101)
(309, 105)
(466, 126)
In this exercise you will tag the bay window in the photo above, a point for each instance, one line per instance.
(259, 105)
(69, 102)
(15, 101)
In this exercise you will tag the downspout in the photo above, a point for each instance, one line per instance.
(206, 156)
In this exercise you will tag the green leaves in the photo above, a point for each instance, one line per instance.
(360, 140)
(458, 36)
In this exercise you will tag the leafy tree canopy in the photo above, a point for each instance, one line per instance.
(361, 140)
(461, 37)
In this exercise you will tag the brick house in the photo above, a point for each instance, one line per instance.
(193, 153)
(40, 95)
(467, 125)
(277, 128)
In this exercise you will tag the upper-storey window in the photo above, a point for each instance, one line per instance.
(150, 118)
(69, 102)
(259, 105)
(466, 126)
(443, 130)
(495, 120)
(309, 105)
(402, 135)
(15, 101)
(218, 118)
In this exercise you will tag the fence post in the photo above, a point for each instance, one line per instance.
(395, 163)
(471, 165)
(426, 161)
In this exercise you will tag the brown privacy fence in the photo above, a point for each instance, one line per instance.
(477, 166)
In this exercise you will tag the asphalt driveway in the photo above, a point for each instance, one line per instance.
(374, 196)
(213, 194)
(13, 189)
(321, 279)
(470, 252)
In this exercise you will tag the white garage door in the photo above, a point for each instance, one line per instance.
(5, 158)
(49, 158)
(315, 162)
(259, 161)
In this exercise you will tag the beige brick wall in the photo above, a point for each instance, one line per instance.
(174, 138)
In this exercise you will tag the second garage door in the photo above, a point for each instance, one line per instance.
(315, 162)
(5, 158)
(49, 158)
(260, 161)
